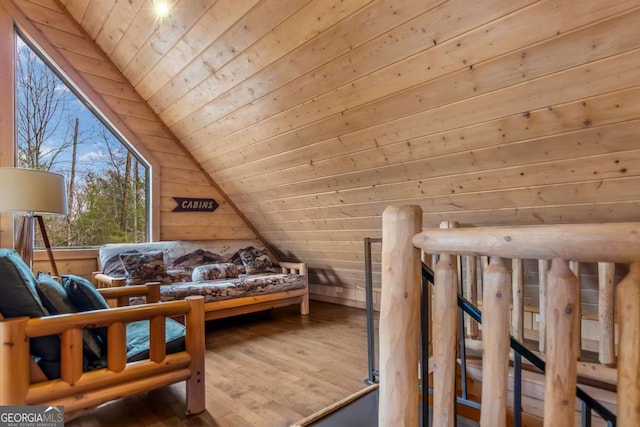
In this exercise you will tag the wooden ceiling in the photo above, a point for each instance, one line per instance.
(313, 115)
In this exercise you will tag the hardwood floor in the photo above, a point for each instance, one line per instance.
(262, 370)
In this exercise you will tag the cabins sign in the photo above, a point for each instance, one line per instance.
(186, 204)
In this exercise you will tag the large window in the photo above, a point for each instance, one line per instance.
(59, 131)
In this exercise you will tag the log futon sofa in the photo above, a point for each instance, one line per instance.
(234, 276)
(80, 360)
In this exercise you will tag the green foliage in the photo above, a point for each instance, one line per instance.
(106, 191)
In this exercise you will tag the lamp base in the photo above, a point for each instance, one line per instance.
(26, 238)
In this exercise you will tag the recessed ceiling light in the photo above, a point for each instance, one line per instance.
(162, 8)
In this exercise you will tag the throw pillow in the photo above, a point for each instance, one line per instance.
(20, 298)
(56, 301)
(113, 266)
(256, 261)
(214, 272)
(85, 297)
(143, 267)
(179, 275)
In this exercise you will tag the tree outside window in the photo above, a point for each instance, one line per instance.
(58, 131)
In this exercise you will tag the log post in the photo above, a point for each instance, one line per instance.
(495, 344)
(471, 290)
(517, 286)
(14, 361)
(606, 298)
(576, 269)
(194, 343)
(561, 368)
(543, 271)
(400, 317)
(628, 295)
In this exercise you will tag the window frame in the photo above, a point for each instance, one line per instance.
(86, 102)
(11, 19)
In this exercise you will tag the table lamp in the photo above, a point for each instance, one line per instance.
(32, 193)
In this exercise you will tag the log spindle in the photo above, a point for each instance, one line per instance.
(71, 355)
(400, 317)
(517, 285)
(495, 344)
(543, 271)
(576, 269)
(561, 347)
(471, 290)
(117, 348)
(606, 298)
(445, 340)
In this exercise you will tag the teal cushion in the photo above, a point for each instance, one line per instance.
(19, 297)
(55, 299)
(84, 296)
(138, 339)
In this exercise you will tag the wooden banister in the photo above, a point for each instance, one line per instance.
(579, 242)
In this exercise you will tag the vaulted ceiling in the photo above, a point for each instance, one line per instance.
(313, 115)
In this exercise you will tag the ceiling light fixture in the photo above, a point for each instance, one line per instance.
(162, 8)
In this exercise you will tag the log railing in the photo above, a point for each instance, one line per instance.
(401, 246)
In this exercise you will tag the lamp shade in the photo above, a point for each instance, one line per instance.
(32, 191)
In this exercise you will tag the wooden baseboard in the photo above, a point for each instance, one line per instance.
(351, 297)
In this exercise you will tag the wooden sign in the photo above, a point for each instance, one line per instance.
(186, 204)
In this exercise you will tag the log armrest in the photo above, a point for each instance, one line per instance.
(121, 294)
(78, 391)
(294, 268)
(101, 280)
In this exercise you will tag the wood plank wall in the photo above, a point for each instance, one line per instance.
(176, 173)
(313, 115)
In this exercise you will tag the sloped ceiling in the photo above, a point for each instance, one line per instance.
(313, 115)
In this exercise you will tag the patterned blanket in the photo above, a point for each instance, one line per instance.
(217, 290)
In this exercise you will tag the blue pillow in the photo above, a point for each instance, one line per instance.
(82, 293)
(20, 298)
(55, 300)
(84, 296)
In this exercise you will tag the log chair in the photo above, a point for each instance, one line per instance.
(80, 391)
